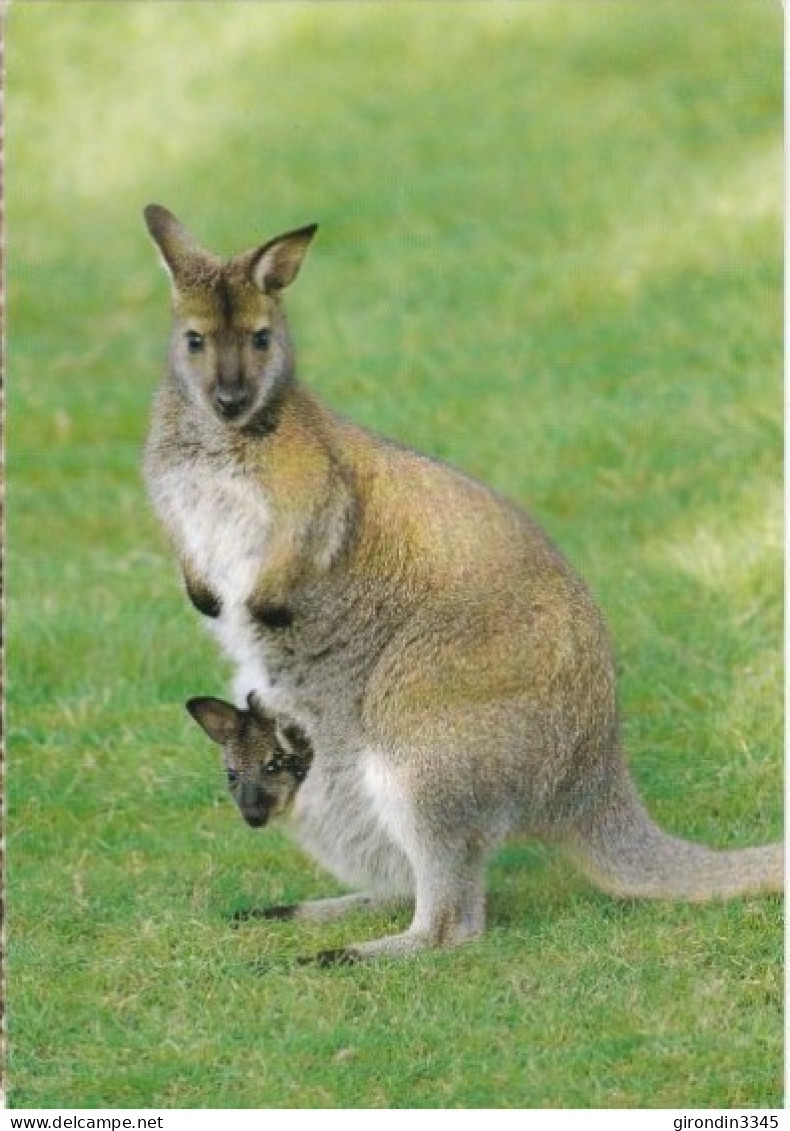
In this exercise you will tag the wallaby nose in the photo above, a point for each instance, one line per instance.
(231, 400)
(255, 806)
(256, 818)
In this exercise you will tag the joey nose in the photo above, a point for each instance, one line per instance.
(255, 820)
(255, 806)
(257, 816)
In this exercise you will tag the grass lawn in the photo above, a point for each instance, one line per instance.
(550, 253)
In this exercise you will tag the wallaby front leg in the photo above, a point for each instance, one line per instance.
(449, 910)
(202, 597)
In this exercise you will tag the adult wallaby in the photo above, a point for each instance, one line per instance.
(452, 672)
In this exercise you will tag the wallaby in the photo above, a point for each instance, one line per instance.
(266, 758)
(452, 672)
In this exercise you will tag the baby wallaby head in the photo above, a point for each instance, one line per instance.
(266, 756)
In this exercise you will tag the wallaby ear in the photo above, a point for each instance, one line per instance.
(220, 720)
(293, 740)
(181, 254)
(257, 709)
(276, 264)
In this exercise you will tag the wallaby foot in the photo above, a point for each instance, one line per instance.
(279, 911)
(391, 946)
(449, 910)
(317, 910)
(340, 956)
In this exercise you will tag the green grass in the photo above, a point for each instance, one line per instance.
(550, 252)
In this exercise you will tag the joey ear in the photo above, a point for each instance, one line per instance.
(182, 255)
(220, 720)
(293, 740)
(276, 264)
(257, 709)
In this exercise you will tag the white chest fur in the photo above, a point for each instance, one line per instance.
(222, 528)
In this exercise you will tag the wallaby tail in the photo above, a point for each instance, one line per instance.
(624, 852)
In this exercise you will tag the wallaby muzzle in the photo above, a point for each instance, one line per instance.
(232, 394)
(231, 400)
(255, 805)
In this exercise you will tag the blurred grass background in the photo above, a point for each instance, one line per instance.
(550, 252)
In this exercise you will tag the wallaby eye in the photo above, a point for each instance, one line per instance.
(233, 777)
(261, 339)
(195, 341)
(273, 766)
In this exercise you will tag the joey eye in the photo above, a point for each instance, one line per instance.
(261, 339)
(195, 341)
(233, 777)
(273, 766)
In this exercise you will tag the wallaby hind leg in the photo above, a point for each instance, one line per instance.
(449, 909)
(317, 910)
